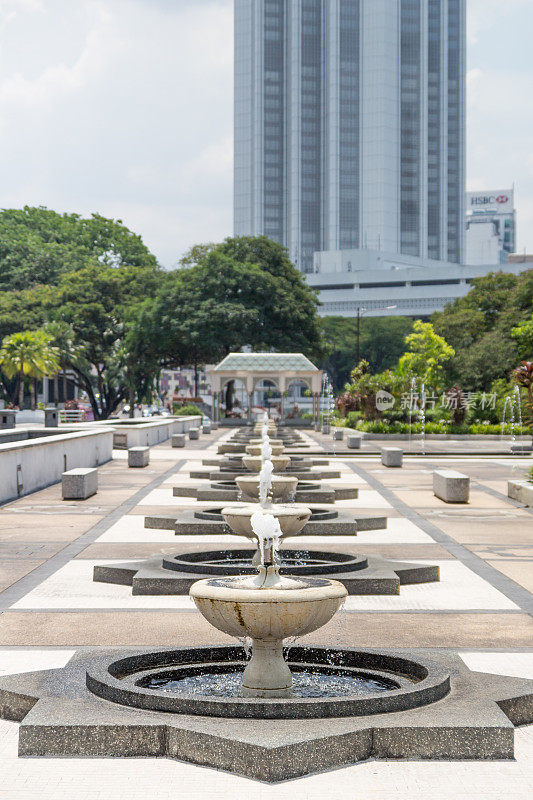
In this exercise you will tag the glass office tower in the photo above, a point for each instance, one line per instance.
(349, 125)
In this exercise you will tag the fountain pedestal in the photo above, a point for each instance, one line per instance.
(267, 608)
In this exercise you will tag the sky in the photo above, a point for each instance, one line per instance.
(125, 108)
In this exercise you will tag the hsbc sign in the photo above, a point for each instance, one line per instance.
(490, 201)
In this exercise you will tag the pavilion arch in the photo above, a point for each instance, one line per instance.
(281, 371)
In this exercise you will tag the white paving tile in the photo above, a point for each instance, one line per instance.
(166, 779)
(72, 586)
(31, 660)
(398, 531)
(517, 665)
(368, 498)
(130, 528)
(459, 589)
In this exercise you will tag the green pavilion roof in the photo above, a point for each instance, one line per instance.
(266, 362)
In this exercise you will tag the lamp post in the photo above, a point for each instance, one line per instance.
(361, 310)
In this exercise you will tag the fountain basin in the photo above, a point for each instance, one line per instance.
(283, 487)
(416, 680)
(291, 518)
(255, 450)
(318, 513)
(254, 463)
(273, 442)
(289, 607)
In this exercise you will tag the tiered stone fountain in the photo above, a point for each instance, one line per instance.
(267, 609)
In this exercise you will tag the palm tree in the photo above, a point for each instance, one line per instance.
(28, 354)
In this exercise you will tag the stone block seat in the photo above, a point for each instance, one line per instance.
(521, 491)
(391, 456)
(338, 435)
(451, 486)
(8, 418)
(206, 427)
(80, 483)
(178, 440)
(353, 442)
(138, 456)
(194, 433)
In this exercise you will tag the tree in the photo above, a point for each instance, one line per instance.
(101, 305)
(38, 246)
(427, 355)
(381, 344)
(28, 354)
(478, 326)
(226, 301)
(523, 335)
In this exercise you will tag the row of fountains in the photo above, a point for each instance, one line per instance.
(283, 712)
(267, 607)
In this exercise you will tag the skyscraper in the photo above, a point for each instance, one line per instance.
(349, 125)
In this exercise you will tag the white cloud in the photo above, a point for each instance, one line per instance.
(122, 107)
(125, 107)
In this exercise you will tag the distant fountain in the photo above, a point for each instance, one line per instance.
(265, 482)
(411, 398)
(508, 404)
(513, 402)
(266, 449)
(422, 417)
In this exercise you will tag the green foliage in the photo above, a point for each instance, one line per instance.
(386, 427)
(38, 246)
(479, 327)
(187, 410)
(244, 291)
(427, 355)
(523, 335)
(381, 344)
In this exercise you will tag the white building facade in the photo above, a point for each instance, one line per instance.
(490, 226)
(350, 126)
(379, 284)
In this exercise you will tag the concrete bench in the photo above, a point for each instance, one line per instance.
(353, 442)
(138, 456)
(338, 436)
(80, 483)
(391, 456)
(519, 448)
(214, 426)
(522, 491)
(178, 440)
(451, 486)
(7, 418)
(325, 428)
(194, 433)
(51, 418)
(206, 427)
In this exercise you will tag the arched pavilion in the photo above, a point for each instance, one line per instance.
(253, 371)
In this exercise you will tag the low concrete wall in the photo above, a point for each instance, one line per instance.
(416, 437)
(144, 432)
(26, 466)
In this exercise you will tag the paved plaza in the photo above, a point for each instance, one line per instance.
(482, 607)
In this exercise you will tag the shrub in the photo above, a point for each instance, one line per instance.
(187, 410)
